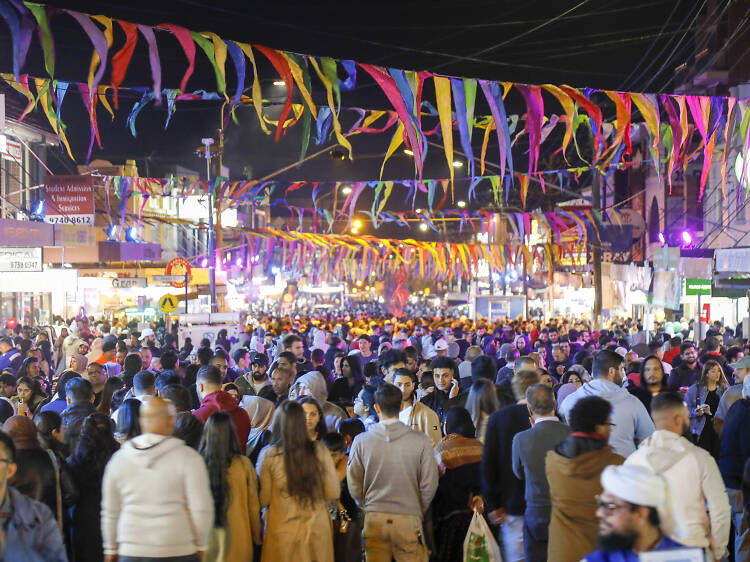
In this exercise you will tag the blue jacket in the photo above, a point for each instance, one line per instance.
(11, 360)
(32, 527)
(735, 444)
(632, 422)
(696, 395)
(628, 555)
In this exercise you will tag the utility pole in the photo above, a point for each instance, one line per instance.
(596, 202)
(211, 246)
(219, 165)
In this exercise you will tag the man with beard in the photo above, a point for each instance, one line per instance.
(413, 413)
(628, 515)
(692, 477)
(446, 393)
(689, 369)
(253, 382)
(632, 423)
(278, 391)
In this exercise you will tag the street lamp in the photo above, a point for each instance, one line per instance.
(206, 153)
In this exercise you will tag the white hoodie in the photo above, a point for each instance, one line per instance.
(156, 499)
(693, 480)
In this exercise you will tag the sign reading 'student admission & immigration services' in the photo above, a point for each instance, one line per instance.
(69, 200)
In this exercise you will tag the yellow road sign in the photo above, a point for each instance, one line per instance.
(168, 303)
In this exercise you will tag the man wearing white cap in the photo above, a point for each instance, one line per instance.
(441, 348)
(628, 514)
(148, 339)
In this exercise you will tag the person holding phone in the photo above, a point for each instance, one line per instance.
(447, 393)
(703, 400)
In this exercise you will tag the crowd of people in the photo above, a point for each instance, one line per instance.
(352, 438)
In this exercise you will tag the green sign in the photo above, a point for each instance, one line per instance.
(698, 287)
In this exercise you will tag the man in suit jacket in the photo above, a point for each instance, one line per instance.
(530, 448)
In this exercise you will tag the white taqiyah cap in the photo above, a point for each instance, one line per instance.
(634, 484)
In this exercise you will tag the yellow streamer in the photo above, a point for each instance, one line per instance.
(299, 79)
(329, 93)
(95, 60)
(396, 141)
(443, 98)
(42, 88)
(257, 94)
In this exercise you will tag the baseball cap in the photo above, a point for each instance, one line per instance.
(441, 345)
(258, 358)
(743, 363)
(146, 333)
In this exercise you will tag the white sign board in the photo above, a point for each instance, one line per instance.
(129, 282)
(10, 150)
(15, 259)
(167, 279)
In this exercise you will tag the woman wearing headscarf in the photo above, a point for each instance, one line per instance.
(260, 412)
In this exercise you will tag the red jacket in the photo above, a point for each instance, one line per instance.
(221, 400)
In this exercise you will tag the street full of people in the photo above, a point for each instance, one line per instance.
(348, 438)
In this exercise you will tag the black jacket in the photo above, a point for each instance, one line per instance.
(439, 401)
(735, 444)
(500, 486)
(72, 418)
(683, 376)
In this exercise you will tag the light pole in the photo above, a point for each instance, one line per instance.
(211, 250)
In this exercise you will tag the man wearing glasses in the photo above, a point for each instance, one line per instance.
(628, 514)
(27, 528)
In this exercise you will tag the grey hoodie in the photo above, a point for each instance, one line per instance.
(392, 469)
(632, 422)
(313, 384)
(156, 499)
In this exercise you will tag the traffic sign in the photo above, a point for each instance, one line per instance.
(178, 267)
(167, 279)
(168, 303)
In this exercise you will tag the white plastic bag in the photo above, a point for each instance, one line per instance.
(480, 545)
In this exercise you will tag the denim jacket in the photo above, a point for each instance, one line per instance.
(696, 395)
(32, 527)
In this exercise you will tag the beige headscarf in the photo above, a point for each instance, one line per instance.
(78, 363)
(260, 411)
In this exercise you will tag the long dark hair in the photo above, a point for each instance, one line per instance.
(96, 444)
(111, 385)
(354, 366)
(642, 370)
(128, 422)
(304, 474)
(33, 384)
(219, 447)
(723, 384)
(321, 427)
(46, 422)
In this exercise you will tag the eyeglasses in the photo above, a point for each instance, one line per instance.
(611, 424)
(609, 507)
(6, 461)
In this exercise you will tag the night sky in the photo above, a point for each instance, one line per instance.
(610, 44)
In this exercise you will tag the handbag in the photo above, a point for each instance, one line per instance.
(480, 545)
